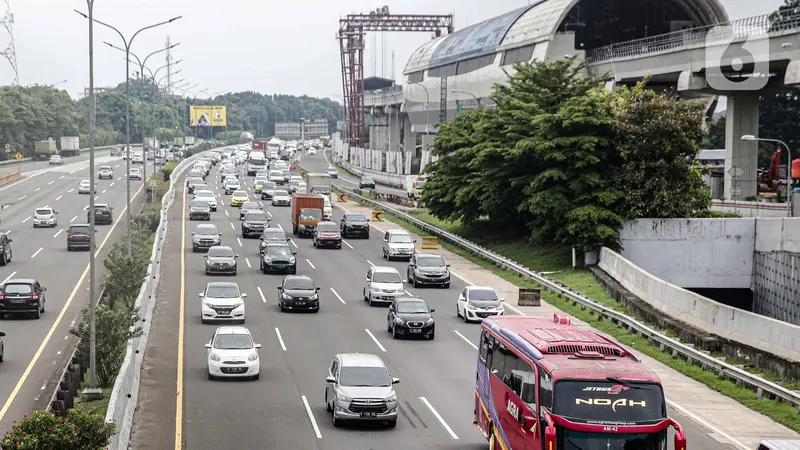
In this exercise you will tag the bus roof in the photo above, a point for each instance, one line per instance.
(567, 351)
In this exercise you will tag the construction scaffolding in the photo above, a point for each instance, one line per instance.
(352, 31)
(10, 52)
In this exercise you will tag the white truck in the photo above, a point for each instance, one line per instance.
(70, 146)
(318, 183)
(188, 140)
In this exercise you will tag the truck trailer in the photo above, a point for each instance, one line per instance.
(319, 183)
(306, 213)
(45, 149)
(70, 146)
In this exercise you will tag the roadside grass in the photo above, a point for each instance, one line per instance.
(556, 261)
(97, 406)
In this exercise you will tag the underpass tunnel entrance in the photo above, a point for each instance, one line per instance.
(600, 23)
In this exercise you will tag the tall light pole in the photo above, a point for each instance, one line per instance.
(142, 62)
(56, 84)
(751, 138)
(456, 91)
(127, 44)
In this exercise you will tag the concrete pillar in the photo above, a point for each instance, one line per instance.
(741, 117)
(395, 128)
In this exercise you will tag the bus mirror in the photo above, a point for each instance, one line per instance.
(528, 421)
(680, 441)
(550, 436)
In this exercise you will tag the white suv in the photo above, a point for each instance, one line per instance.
(398, 244)
(222, 301)
(383, 285)
(232, 353)
(208, 196)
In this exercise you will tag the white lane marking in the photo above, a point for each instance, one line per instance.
(10, 277)
(226, 213)
(51, 182)
(232, 225)
(438, 416)
(261, 204)
(104, 191)
(311, 416)
(26, 219)
(59, 197)
(707, 425)
(221, 203)
(261, 294)
(279, 226)
(119, 178)
(61, 177)
(338, 296)
(240, 242)
(37, 189)
(292, 242)
(70, 190)
(408, 293)
(347, 244)
(59, 232)
(280, 339)
(37, 252)
(20, 181)
(22, 198)
(370, 263)
(73, 219)
(116, 166)
(269, 214)
(112, 184)
(313, 267)
(375, 340)
(466, 340)
(96, 197)
(248, 263)
(86, 207)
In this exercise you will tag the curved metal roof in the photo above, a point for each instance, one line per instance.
(537, 20)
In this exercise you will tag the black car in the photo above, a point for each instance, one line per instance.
(272, 236)
(102, 214)
(354, 224)
(199, 210)
(428, 269)
(254, 223)
(78, 237)
(192, 181)
(247, 207)
(278, 257)
(22, 296)
(5, 249)
(116, 151)
(221, 259)
(205, 236)
(268, 190)
(366, 182)
(298, 292)
(410, 317)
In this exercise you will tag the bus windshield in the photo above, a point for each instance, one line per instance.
(607, 402)
(581, 440)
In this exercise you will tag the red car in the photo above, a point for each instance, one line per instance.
(327, 235)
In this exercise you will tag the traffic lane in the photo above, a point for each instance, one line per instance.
(266, 413)
(29, 166)
(34, 346)
(442, 371)
(320, 162)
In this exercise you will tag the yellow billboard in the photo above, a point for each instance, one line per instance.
(207, 116)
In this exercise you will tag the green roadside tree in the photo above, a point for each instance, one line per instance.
(42, 430)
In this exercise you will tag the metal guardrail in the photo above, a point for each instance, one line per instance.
(710, 363)
(125, 394)
(734, 31)
(17, 161)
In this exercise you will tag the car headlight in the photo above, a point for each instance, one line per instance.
(429, 322)
(470, 307)
(215, 357)
(237, 305)
(292, 260)
(398, 320)
(314, 297)
(342, 398)
(267, 259)
(196, 240)
(287, 297)
(391, 398)
(253, 357)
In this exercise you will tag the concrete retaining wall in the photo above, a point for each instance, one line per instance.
(749, 336)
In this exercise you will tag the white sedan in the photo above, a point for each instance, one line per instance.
(135, 174)
(232, 353)
(208, 196)
(476, 303)
(85, 187)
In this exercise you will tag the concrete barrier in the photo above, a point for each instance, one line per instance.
(749, 329)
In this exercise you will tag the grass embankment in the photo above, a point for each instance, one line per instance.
(97, 406)
(556, 260)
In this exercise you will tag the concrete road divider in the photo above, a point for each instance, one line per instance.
(341, 197)
(430, 242)
(377, 216)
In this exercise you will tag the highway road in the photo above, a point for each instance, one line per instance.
(31, 166)
(32, 346)
(285, 408)
(346, 179)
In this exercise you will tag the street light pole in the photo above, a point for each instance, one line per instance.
(751, 138)
(127, 44)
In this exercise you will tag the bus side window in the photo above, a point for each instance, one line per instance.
(484, 350)
(545, 389)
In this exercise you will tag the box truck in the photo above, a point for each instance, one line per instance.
(70, 146)
(45, 149)
(319, 183)
(306, 213)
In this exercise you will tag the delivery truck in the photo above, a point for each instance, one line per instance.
(189, 140)
(319, 183)
(45, 149)
(70, 146)
(260, 146)
(306, 213)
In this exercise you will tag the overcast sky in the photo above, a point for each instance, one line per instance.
(265, 46)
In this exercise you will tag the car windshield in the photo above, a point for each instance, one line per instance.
(303, 284)
(105, 168)
(285, 172)
(386, 277)
(412, 307)
(400, 238)
(430, 261)
(281, 194)
(240, 194)
(256, 216)
(327, 228)
(482, 294)
(233, 342)
(250, 205)
(221, 252)
(276, 173)
(364, 376)
(279, 250)
(310, 214)
(206, 229)
(355, 218)
(269, 185)
(193, 181)
(199, 204)
(205, 194)
(276, 235)
(222, 291)
(331, 169)
(85, 183)
(78, 229)
(232, 182)
(43, 212)
(19, 288)
(367, 180)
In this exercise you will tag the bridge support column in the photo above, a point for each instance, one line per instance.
(741, 118)
(409, 144)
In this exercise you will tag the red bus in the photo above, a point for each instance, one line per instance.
(549, 385)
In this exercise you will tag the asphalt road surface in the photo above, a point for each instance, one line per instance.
(32, 346)
(285, 408)
(322, 161)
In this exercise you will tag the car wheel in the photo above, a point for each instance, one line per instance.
(394, 332)
(210, 377)
(294, 271)
(328, 406)
(336, 421)
(364, 294)
(37, 314)
(208, 273)
(369, 299)
(446, 285)
(466, 320)
(69, 249)
(458, 311)
(392, 423)
(255, 377)
(433, 335)
(42, 310)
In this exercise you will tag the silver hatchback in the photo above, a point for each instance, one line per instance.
(358, 387)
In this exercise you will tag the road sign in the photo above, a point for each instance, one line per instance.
(8, 148)
(18, 156)
(377, 216)
(736, 191)
(735, 171)
(153, 184)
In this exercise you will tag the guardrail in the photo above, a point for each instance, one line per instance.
(17, 161)
(125, 394)
(5, 179)
(665, 343)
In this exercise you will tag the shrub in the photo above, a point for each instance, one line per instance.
(42, 430)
